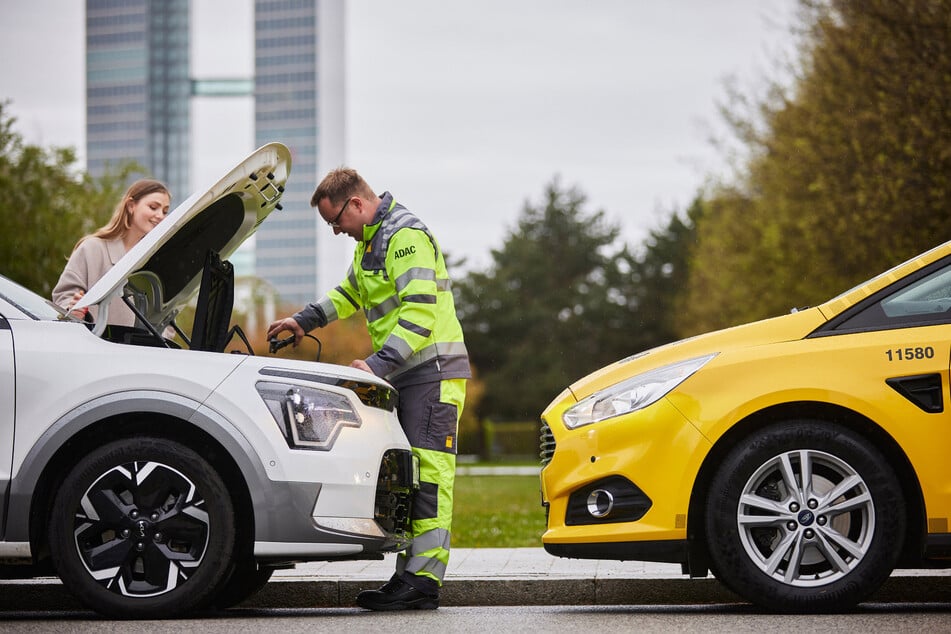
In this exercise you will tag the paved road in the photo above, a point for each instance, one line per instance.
(642, 619)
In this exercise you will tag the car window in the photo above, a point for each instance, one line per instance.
(929, 295)
(923, 302)
(27, 301)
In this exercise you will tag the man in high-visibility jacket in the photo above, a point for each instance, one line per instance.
(398, 278)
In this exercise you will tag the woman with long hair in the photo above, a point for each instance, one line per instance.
(144, 205)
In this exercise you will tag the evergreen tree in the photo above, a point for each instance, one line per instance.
(563, 298)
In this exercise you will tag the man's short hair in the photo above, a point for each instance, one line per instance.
(339, 184)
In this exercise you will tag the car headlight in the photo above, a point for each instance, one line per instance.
(309, 418)
(633, 394)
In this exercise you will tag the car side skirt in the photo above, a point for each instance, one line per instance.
(666, 551)
(938, 546)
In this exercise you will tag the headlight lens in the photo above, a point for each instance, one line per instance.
(633, 394)
(309, 418)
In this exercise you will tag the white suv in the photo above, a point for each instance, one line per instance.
(154, 478)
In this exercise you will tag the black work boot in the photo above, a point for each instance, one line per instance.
(396, 594)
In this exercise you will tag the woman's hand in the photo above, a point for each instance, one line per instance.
(78, 314)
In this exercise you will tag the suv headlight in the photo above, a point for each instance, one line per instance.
(309, 418)
(631, 395)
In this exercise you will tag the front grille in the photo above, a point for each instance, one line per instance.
(395, 488)
(546, 443)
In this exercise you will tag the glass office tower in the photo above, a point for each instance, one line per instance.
(138, 91)
(298, 92)
(138, 88)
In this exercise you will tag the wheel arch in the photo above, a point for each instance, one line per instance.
(131, 415)
(915, 534)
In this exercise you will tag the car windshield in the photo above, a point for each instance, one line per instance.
(28, 301)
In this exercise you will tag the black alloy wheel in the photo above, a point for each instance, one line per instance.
(142, 528)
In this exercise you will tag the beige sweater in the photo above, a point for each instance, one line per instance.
(86, 265)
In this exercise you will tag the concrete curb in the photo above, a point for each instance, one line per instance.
(50, 595)
(483, 592)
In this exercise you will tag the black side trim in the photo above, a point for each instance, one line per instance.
(924, 390)
(4, 324)
(938, 546)
(668, 551)
(370, 394)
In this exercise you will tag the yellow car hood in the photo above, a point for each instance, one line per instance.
(789, 327)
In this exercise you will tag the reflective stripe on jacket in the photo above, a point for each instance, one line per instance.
(399, 278)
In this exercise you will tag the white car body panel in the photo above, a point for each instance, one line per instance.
(42, 365)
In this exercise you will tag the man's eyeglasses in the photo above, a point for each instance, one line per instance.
(335, 223)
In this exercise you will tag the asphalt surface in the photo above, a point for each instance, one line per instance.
(496, 576)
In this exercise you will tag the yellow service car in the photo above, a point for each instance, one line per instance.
(800, 459)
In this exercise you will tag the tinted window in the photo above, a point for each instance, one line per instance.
(925, 301)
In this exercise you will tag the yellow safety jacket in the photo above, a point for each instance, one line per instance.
(398, 277)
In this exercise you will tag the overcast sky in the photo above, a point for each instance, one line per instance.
(465, 110)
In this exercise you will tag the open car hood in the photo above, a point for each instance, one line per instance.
(164, 269)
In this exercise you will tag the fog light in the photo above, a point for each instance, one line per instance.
(600, 503)
(608, 500)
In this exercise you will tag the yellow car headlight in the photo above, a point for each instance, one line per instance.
(633, 394)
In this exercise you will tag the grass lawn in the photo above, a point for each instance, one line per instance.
(497, 512)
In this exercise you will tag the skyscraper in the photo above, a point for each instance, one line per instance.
(299, 101)
(137, 88)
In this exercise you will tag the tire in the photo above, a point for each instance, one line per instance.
(142, 528)
(246, 580)
(822, 546)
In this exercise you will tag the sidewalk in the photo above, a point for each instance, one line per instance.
(496, 576)
(530, 576)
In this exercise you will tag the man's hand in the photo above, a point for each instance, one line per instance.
(288, 323)
(360, 364)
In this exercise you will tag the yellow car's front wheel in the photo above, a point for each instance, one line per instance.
(804, 516)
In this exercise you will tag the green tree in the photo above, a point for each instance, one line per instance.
(46, 205)
(660, 274)
(562, 298)
(849, 167)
